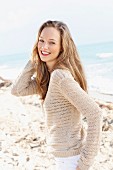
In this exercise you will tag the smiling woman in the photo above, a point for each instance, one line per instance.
(60, 81)
(49, 46)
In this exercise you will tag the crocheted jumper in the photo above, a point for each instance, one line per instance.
(65, 105)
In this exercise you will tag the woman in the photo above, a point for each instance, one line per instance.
(61, 84)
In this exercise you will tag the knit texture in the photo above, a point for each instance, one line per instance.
(64, 106)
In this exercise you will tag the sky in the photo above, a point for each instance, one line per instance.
(89, 21)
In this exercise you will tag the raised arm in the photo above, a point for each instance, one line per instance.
(24, 84)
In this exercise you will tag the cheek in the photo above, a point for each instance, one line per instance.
(39, 46)
(56, 50)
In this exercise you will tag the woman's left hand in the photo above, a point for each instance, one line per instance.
(77, 168)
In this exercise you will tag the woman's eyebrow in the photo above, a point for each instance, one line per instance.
(40, 37)
(52, 39)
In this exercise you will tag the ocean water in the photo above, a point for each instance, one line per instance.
(96, 58)
(98, 64)
(11, 65)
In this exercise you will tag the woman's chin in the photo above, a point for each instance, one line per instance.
(43, 59)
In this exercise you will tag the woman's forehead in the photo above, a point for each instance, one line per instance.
(50, 32)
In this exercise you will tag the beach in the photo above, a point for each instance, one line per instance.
(22, 134)
(22, 124)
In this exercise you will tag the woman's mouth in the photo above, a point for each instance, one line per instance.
(44, 53)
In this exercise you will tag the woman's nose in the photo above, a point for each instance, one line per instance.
(45, 46)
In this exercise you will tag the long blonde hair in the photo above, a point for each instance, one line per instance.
(68, 59)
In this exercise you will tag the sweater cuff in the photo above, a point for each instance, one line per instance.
(83, 166)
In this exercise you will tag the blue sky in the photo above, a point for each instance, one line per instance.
(90, 21)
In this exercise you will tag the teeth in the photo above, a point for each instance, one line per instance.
(44, 52)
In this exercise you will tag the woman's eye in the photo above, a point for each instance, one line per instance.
(40, 40)
(51, 42)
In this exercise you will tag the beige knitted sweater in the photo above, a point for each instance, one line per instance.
(64, 106)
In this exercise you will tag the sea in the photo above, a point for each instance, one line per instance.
(97, 60)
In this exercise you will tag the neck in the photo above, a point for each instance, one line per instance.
(50, 66)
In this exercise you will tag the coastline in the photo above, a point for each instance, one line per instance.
(97, 93)
(108, 98)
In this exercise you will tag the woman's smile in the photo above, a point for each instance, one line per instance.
(45, 53)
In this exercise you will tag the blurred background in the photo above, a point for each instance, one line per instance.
(90, 23)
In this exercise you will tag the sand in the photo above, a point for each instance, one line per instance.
(22, 134)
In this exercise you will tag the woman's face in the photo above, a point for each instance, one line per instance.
(49, 45)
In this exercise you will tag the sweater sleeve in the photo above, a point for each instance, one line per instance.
(88, 108)
(25, 85)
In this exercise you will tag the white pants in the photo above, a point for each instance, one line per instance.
(68, 163)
